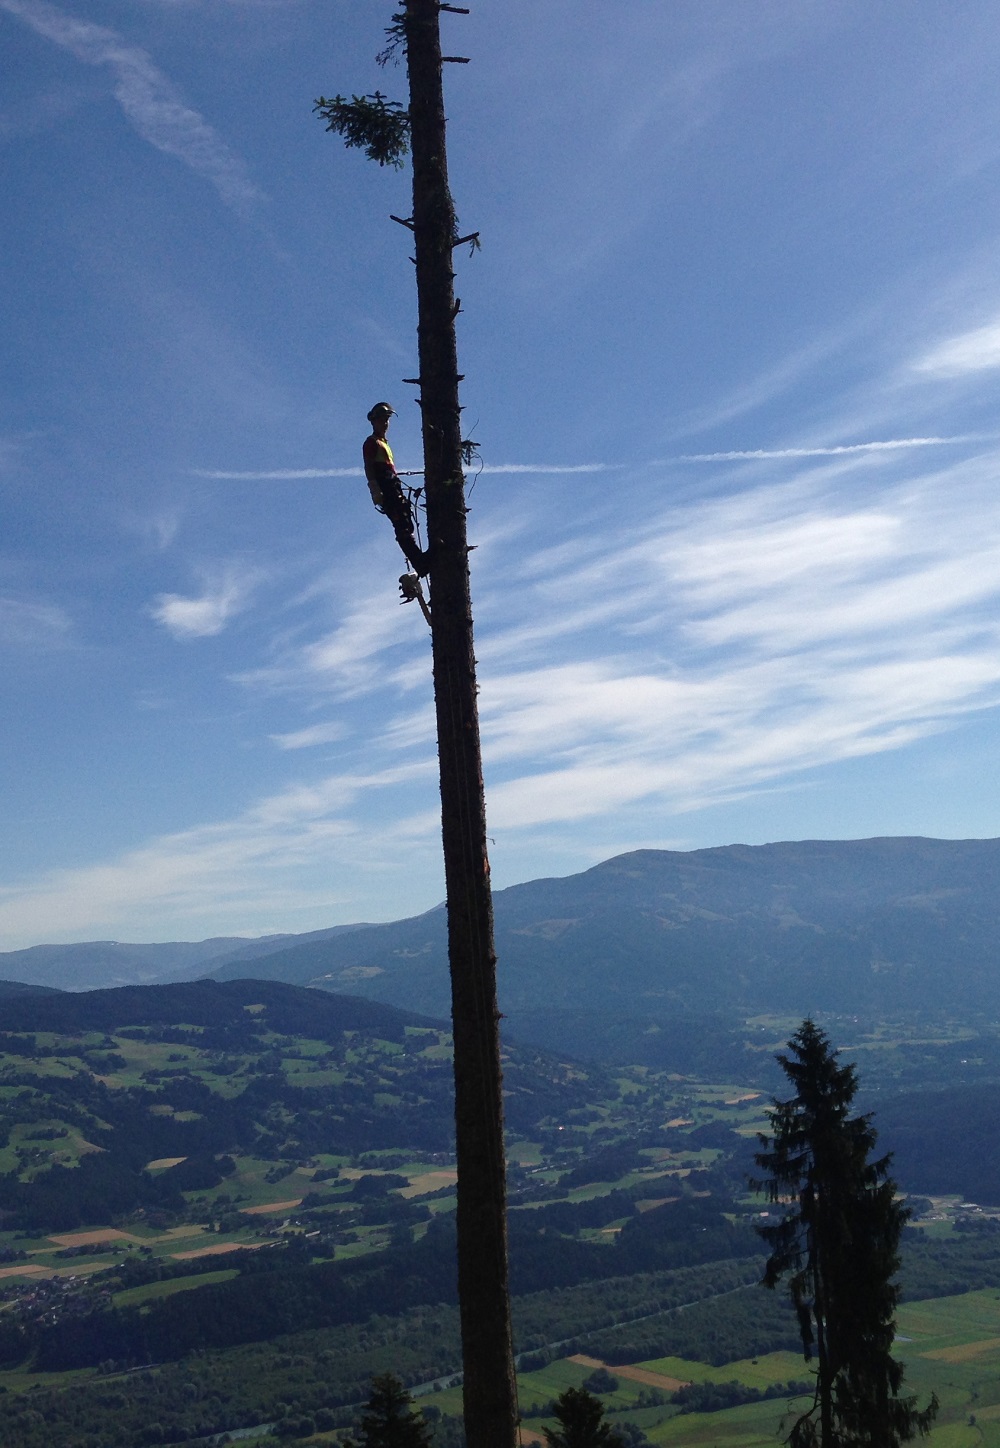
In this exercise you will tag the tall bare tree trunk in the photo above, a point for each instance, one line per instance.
(489, 1388)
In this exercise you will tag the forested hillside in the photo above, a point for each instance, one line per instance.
(94, 1086)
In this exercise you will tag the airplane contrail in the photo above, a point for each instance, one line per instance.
(743, 455)
(890, 445)
(294, 474)
(276, 475)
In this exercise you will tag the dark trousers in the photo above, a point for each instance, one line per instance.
(398, 510)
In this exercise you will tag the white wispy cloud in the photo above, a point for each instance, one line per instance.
(309, 737)
(688, 653)
(33, 624)
(150, 100)
(159, 529)
(349, 659)
(679, 657)
(778, 379)
(746, 641)
(225, 594)
(163, 528)
(974, 351)
(281, 856)
(353, 659)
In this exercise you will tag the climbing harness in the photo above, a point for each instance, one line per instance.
(412, 496)
(410, 585)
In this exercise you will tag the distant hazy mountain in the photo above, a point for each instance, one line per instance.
(96, 964)
(864, 926)
(868, 925)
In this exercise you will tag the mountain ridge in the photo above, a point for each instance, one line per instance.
(105, 964)
(792, 926)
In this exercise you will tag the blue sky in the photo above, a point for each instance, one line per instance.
(732, 347)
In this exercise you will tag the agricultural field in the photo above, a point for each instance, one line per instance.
(232, 1209)
(941, 1342)
(950, 1346)
(222, 1129)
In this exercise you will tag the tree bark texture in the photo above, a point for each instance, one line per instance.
(490, 1405)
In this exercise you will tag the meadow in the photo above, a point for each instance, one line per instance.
(950, 1345)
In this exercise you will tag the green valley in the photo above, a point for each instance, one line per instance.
(228, 1204)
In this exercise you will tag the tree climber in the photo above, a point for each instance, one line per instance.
(386, 489)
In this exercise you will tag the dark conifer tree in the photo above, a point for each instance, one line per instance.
(391, 1420)
(836, 1244)
(581, 1423)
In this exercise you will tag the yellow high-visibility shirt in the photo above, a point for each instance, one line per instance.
(380, 466)
(378, 459)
